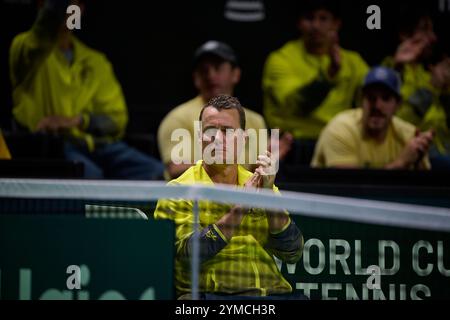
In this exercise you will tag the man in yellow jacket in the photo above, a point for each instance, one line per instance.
(426, 86)
(237, 244)
(62, 86)
(310, 79)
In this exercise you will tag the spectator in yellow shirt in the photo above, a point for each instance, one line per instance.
(62, 86)
(372, 136)
(309, 80)
(216, 71)
(426, 80)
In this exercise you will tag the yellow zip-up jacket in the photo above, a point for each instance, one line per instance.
(245, 264)
(424, 105)
(45, 83)
(299, 97)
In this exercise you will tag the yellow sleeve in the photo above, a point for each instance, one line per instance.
(414, 79)
(30, 48)
(259, 121)
(336, 147)
(165, 143)
(26, 53)
(280, 83)
(296, 87)
(109, 99)
(277, 192)
(436, 119)
(179, 211)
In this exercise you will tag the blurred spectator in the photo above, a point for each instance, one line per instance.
(309, 80)
(371, 136)
(216, 71)
(63, 87)
(426, 80)
(4, 151)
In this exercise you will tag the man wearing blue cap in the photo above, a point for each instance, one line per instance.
(372, 136)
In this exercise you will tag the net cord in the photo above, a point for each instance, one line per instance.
(306, 204)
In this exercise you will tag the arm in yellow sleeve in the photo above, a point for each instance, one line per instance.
(336, 148)
(109, 116)
(30, 48)
(292, 93)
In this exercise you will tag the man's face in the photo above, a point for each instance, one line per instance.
(214, 76)
(317, 26)
(379, 106)
(215, 124)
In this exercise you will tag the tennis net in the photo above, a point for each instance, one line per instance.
(346, 249)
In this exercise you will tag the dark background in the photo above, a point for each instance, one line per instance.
(150, 44)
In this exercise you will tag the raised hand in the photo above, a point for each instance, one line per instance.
(255, 181)
(411, 49)
(416, 148)
(266, 169)
(334, 54)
